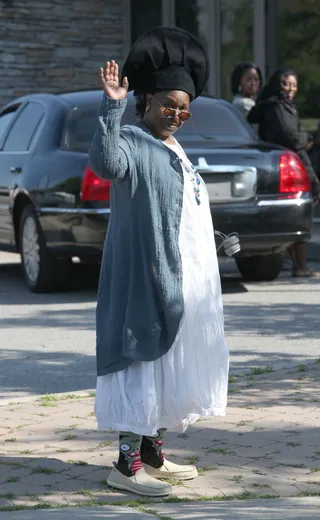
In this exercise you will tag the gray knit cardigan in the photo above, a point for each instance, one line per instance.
(140, 298)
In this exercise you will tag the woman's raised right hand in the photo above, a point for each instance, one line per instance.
(110, 81)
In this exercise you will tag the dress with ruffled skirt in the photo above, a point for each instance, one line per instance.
(191, 380)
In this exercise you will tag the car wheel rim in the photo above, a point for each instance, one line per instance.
(31, 249)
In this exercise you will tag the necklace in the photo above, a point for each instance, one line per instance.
(190, 169)
(188, 166)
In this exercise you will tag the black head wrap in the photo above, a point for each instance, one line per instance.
(167, 58)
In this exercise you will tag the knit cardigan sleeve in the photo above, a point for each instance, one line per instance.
(111, 149)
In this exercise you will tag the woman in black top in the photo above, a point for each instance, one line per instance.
(278, 122)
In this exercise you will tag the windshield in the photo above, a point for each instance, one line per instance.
(212, 121)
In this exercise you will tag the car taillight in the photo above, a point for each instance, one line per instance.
(93, 187)
(293, 175)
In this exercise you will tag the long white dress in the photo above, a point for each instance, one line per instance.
(191, 380)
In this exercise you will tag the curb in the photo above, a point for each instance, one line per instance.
(88, 393)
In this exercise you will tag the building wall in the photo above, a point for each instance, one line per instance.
(57, 45)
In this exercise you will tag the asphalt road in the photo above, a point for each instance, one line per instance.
(47, 341)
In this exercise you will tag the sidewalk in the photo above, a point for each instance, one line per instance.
(268, 446)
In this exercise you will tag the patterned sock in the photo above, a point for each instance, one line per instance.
(129, 461)
(151, 449)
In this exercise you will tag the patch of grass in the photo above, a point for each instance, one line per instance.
(258, 472)
(252, 407)
(12, 439)
(193, 459)
(293, 444)
(315, 470)
(32, 495)
(318, 361)
(69, 437)
(84, 492)
(309, 494)
(173, 481)
(257, 485)
(258, 429)
(103, 483)
(154, 513)
(25, 452)
(48, 400)
(301, 368)
(104, 443)
(257, 371)
(43, 470)
(8, 496)
(12, 508)
(42, 505)
(313, 482)
(232, 379)
(246, 495)
(236, 478)
(13, 479)
(14, 464)
(205, 469)
(222, 451)
(243, 423)
(63, 450)
(21, 426)
(71, 396)
(91, 394)
(298, 399)
(77, 462)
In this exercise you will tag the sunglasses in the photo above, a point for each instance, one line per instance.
(170, 113)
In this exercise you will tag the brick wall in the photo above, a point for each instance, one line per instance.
(56, 45)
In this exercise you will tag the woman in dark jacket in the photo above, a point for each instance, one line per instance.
(278, 122)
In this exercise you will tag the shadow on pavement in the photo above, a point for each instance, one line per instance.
(40, 372)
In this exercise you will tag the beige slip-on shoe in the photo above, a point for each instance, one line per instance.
(141, 483)
(172, 470)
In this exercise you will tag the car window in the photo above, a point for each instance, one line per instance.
(211, 121)
(21, 134)
(216, 121)
(80, 127)
(4, 122)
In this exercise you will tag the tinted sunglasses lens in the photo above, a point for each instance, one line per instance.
(184, 116)
(169, 112)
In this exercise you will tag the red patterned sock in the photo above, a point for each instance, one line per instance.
(151, 449)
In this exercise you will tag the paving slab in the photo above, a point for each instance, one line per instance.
(286, 509)
(267, 445)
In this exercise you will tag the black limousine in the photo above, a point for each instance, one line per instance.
(53, 208)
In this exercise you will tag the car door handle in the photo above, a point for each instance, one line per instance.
(15, 169)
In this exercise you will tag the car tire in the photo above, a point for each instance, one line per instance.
(42, 271)
(261, 268)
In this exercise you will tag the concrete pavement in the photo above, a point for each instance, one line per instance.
(262, 461)
(48, 340)
(267, 447)
(288, 509)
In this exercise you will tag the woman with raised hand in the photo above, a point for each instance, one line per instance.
(162, 361)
